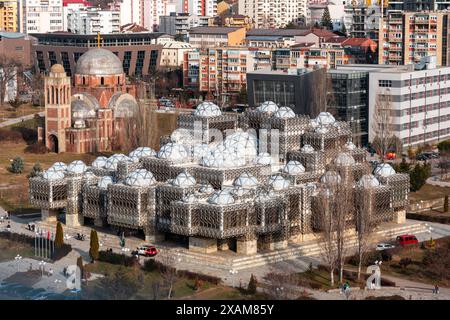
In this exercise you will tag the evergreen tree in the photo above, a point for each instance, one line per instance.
(419, 175)
(59, 237)
(35, 170)
(326, 20)
(252, 284)
(93, 251)
(17, 165)
(80, 265)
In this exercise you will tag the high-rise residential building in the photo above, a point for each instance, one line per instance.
(274, 13)
(198, 7)
(93, 20)
(40, 16)
(73, 5)
(181, 23)
(8, 15)
(362, 20)
(145, 13)
(220, 71)
(209, 37)
(419, 99)
(407, 37)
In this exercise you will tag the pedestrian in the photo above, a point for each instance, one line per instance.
(8, 227)
(50, 272)
(436, 289)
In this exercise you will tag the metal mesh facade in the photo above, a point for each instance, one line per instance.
(196, 198)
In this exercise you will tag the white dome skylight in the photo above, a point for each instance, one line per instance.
(104, 182)
(263, 158)
(384, 170)
(142, 152)
(77, 167)
(184, 180)
(294, 167)
(368, 181)
(190, 198)
(221, 197)
(99, 162)
(182, 136)
(206, 188)
(207, 109)
(278, 182)
(246, 180)
(307, 148)
(53, 175)
(284, 113)
(111, 163)
(325, 119)
(244, 144)
(267, 107)
(350, 146)
(58, 166)
(174, 152)
(140, 178)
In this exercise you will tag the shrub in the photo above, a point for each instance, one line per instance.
(198, 284)
(203, 277)
(116, 258)
(94, 245)
(17, 165)
(252, 285)
(405, 262)
(36, 148)
(35, 170)
(59, 237)
(10, 135)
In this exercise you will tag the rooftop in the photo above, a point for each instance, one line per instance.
(212, 30)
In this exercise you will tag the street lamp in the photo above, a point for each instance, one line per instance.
(18, 258)
(42, 265)
(57, 282)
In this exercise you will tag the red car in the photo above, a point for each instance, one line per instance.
(148, 251)
(407, 239)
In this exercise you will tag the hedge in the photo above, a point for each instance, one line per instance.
(116, 258)
(153, 265)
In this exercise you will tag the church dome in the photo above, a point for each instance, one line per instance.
(99, 62)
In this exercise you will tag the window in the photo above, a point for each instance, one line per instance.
(385, 83)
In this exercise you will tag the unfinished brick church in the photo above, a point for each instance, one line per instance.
(85, 114)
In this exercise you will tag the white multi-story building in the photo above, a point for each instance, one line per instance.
(198, 7)
(419, 100)
(41, 16)
(274, 13)
(145, 13)
(93, 20)
(73, 5)
(172, 54)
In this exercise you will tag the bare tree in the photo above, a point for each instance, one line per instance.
(279, 286)
(384, 138)
(334, 211)
(9, 69)
(364, 223)
(169, 272)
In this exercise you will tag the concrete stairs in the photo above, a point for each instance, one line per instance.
(306, 249)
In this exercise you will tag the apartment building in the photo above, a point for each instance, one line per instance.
(198, 7)
(8, 16)
(362, 20)
(311, 57)
(420, 101)
(93, 21)
(407, 37)
(173, 53)
(274, 13)
(73, 5)
(40, 16)
(209, 37)
(181, 23)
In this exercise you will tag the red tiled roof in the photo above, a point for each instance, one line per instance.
(358, 42)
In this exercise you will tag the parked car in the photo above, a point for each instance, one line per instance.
(407, 239)
(147, 251)
(384, 246)
(391, 155)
